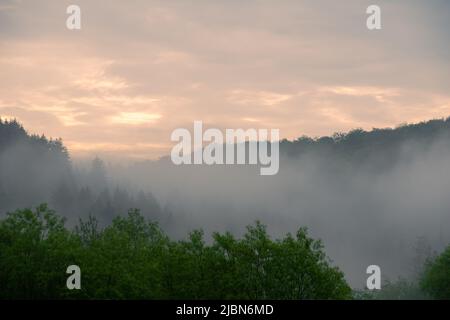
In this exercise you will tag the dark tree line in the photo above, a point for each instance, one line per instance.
(382, 146)
(35, 169)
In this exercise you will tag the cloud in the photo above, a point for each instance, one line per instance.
(134, 118)
(308, 67)
(261, 98)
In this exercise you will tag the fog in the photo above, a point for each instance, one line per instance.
(369, 202)
(29, 173)
(368, 211)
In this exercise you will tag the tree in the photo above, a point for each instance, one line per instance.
(97, 175)
(291, 268)
(133, 259)
(31, 167)
(35, 250)
(436, 278)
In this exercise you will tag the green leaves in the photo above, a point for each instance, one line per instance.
(34, 252)
(133, 259)
(436, 278)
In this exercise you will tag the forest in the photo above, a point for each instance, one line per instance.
(134, 259)
(34, 169)
(133, 243)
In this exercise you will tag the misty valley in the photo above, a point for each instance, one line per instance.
(152, 229)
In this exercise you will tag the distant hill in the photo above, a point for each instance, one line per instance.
(367, 194)
(31, 166)
(381, 146)
(35, 169)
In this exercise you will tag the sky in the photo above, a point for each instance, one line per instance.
(139, 69)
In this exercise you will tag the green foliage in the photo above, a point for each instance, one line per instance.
(35, 250)
(291, 268)
(133, 259)
(436, 278)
